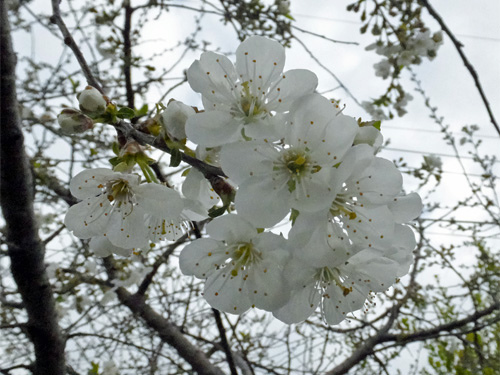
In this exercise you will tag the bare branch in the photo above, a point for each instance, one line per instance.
(466, 62)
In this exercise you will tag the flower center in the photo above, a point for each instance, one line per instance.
(244, 255)
(119, 191)
(339, 208)
(326, 275)
(250, 104)
(298, 164)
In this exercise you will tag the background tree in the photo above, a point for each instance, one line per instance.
(140, 315)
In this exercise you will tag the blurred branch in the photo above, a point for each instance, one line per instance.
(70, 42)
(166, 330)
(468, 65)
(25, 249)
(223, 341)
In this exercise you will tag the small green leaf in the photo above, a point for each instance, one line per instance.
(143, 111)
(175, 157)
(116, 148)
(126, 112)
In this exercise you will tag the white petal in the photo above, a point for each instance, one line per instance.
(266, 286)
(231, 229)
(302, 304)
(159, 200)
(261, 60)
(197, 188)
(293, 84)
(241, 161)
(406, 208)
(313, 193)
(261, 203)
(370, 269)
(213, 128)
(202, 257)
(213, 76)
(86, 183)
(379, 183)
(336, 305)
(102, 247)
(226, 292)
(88, 218)
(126, 228)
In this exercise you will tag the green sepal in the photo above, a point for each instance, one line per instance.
(294, 215)
(186, 172)
(260, 230)
(116, 148)
(121, 167)
(175, 157)
(115, 161)
(291, 185)
(216, 211)
(126, 113)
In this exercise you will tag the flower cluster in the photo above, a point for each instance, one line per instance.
(294, 159)
(294, 156)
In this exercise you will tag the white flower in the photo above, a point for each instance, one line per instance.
(366, 210)
(245, 100)
(337, 284)
(72, 121)
(369, 135)
(174, 118)
(272, 178)
(242, 268)
(91, 100)
(102, 247)
(383, 68)
(114, 205)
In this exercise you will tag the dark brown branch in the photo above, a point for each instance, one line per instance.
(434, 332)
(127, 54)
(224, 343)
(209, 171)
(70, 42)
(366, 348)
(468, 65)
(166, 330)
(25, 249)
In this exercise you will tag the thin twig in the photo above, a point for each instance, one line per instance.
(224, 343)
(70, 42)
(466, 62)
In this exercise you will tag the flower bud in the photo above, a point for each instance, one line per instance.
(91, 101)
(174, 117)
(73, 121)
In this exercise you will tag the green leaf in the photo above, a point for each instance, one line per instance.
(143, 111)
(116, 148)
(126, 112)
(377, 125)
(294, 215)
(175, 157)
(94, 370)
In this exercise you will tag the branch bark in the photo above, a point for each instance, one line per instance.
(167, 331)
(468, 65)
(26, 251)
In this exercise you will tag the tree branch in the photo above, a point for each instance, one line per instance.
(70, 42)
(224, 343)
(466, 62)
(25, 249)
(167, 331)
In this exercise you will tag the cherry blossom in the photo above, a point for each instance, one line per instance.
(244, 101)
(297, 174)
(242, 267)
(114, 205)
